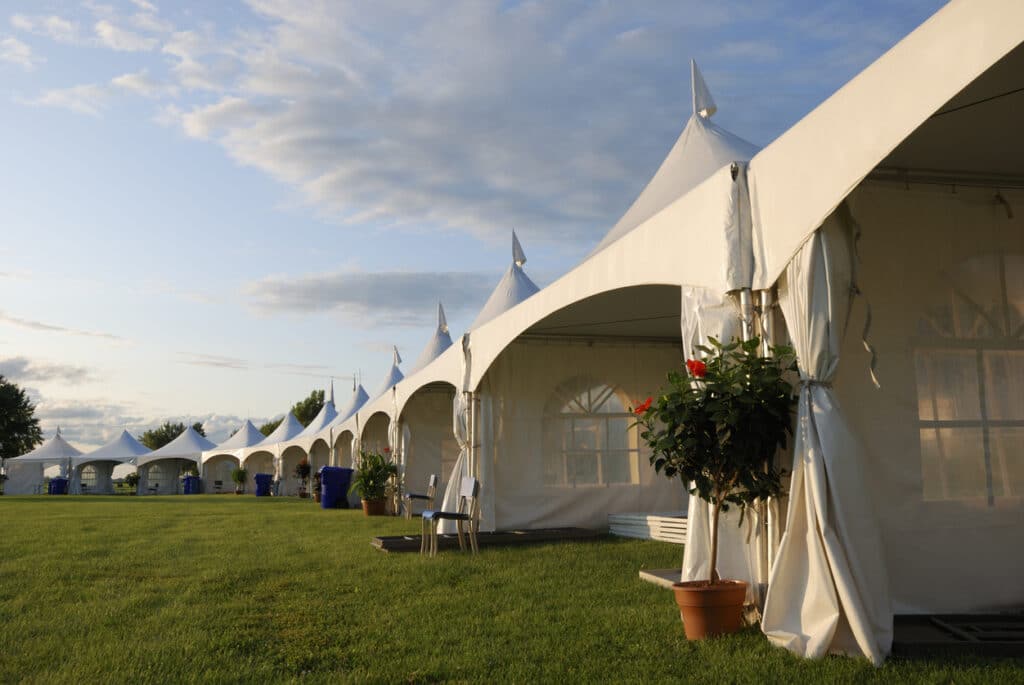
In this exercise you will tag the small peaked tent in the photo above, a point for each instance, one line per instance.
(394, 375)
(514, 287)
(701, 149)
(246, 436)
(95, 469)
(358, 399)
(438, 343)
(160, 470)
(25, 473)
(327, 414)
(288, 429)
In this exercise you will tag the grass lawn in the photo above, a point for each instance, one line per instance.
(225, 589)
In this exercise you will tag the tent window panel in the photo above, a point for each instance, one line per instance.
(953, 463)
(159, 478)
(1004, 395)
(1008, 460)
(89, 476)
(947, 385)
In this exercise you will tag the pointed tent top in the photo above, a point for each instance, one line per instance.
(703, 104)
(189, 445)
(701, 150)
(324, 418)
(438, 343)
(442, 321)
(288, 429)
(394, 375)
(398, 358)
(330, 397)
(54, 449)
(122, 448)
(358, 399)
(246, 436)
(518, 256)
(58, 432)
(514, 287)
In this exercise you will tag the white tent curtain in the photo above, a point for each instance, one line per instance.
(829, 586)
(705, 315)
(461, 408)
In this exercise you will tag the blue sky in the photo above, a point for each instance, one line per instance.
(209, 209)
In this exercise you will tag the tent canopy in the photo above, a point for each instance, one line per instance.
(188, 445)
(358, 399)
(393, 377)
(246, 436)
(440, 341)
(937, 104)
(514, 287)
(55, 450)
(123, 448)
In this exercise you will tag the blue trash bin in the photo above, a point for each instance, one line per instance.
(334, 482)
(58, 486)
(263, 481)
(192, 485)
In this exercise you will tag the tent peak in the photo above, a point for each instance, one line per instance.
(518, 256)
(703, 104)
(442, 321)
(397, 358)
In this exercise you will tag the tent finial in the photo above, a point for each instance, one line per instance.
(442, 321)
(518, 256)
(331, 398)
(703, 104)
(398, 357)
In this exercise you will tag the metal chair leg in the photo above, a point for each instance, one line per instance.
(423, 536)
(472, 537)
(462, 541)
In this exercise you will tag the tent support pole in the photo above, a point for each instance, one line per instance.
(746, 314)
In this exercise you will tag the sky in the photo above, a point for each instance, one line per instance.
(208, 210)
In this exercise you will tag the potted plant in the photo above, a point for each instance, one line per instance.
(301, 472)
(371, 482)
(132, 481)
(239, 476)
(316, 487)
(718, 426)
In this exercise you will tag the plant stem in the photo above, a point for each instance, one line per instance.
(714, 540)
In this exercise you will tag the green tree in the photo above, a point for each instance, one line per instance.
(19, 427)
(155, 438)
(306, 410)
(270, 426)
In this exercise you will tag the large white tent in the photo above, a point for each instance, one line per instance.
(25, 473)
(266, 456)
(233, 448)
(160, 471)
(93, 472)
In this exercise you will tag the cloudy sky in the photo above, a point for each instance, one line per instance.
(209, 209)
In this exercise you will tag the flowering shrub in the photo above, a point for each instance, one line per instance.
(719, 424)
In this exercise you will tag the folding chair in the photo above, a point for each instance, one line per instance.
(468, 511)
(428, 498)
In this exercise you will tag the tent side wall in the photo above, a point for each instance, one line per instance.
(555, 432)
(432, 448)
(24, 478)
(944, 274)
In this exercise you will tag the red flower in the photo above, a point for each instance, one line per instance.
(643, 407)
(387, 449)
(697, 368)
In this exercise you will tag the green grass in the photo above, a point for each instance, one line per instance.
(226, 589)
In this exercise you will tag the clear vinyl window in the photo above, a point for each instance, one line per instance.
(588, 437)
(969, 366)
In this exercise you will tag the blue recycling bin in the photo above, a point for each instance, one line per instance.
(263, 481)
(334, 483)
(58, 486)
(191, 485)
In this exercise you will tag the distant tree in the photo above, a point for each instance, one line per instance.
(270, 426)
(19, 427)
(155, 438)
(132, 480)
(306, 410)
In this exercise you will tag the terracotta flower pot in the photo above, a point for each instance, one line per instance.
(375, 507)
(709, 610)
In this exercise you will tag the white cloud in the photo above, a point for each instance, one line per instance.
(395, 298)
(52, 328)
(16, 52)
(117, 38)
(88, 99)
(141, 83)
(53, 27)
(145, 5)
(24, 369)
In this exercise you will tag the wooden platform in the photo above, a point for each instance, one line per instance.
(662, 577)
(501, 538)
(666, 526)
(998, 635)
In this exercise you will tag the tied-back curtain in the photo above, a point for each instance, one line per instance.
(706, 315)
(829, 586)
(460, 427)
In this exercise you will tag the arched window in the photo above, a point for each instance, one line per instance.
(89, 476)
(969, 364)
(588, 438)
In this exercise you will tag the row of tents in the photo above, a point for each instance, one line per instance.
(892, 210)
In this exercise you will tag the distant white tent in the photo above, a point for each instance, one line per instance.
(514, 287)
(160, 471)
(440, 341)
(93, 471)
(25, 473)
(263, 457)
(393, 376)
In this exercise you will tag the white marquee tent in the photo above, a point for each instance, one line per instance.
(25, 473)
(266, 456)
(160, 471)
(233, 448)
(339, 438)
(93, 472)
